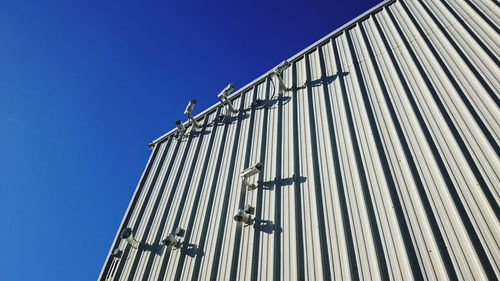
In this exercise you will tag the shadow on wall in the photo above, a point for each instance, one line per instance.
(196, 133)
(191, 250)
(156, 249)
(266, 226)
(269, 103)
(321, 81)
(199, 133)
(272, 103)
(270, 185)
(224, 119)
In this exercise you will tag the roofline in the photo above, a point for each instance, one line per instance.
(319, 42)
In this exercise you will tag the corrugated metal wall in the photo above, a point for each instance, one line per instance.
(382, 163)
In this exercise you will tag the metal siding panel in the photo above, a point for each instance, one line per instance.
(245, 247)
(191, 205)
(487, 8)
(229, 227)
(383, 187)
(140, 219)
(343, 252)
(156, 206)
(186, 258)
(380, 164)
(289, 266)
(397, 131)
(157, 262)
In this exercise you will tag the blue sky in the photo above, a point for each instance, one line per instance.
(85, 86)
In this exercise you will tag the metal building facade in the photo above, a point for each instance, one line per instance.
(382, 162)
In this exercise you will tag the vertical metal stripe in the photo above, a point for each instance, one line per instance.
(353, 265)
(396, 201)
(296, 184)
(411, 161)
(201, 245)
(258, 206)
(483, 16)
(229, 188)
(476, 242)
(277, 198)
(325, 260)
(185, 193)
(442, 167)
(132, 205)
(457, 87)
(382, 264)
(159, 234)
(237, 240)
(144, 205)
(194, 209)
(377, 134)
(153, 214)
(487, 50)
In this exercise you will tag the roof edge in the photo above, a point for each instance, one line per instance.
(291, 59)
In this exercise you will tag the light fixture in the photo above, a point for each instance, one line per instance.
(253, 170)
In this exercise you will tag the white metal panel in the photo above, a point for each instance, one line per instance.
(382, 162)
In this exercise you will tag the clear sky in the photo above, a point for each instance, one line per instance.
(86, 85)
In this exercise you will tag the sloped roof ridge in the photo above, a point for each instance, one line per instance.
(259, 79)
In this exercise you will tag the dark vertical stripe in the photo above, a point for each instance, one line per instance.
(153, 182)
(182, 201)
(470, 32)
(132, 206)
(237, 236)
(457, 87)
(145, 203)
(351, 254)
(260, 193)
(296, 169)
(487, 266)
(396, 201)
(483, 16)
(431, 217)
(278, 186)
(208, 213)
(449, 183)
(325, 260)
(164, 215)
(379, 249)
(229, 189)
(195, 208)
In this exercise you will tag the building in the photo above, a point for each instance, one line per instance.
(381, 162)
